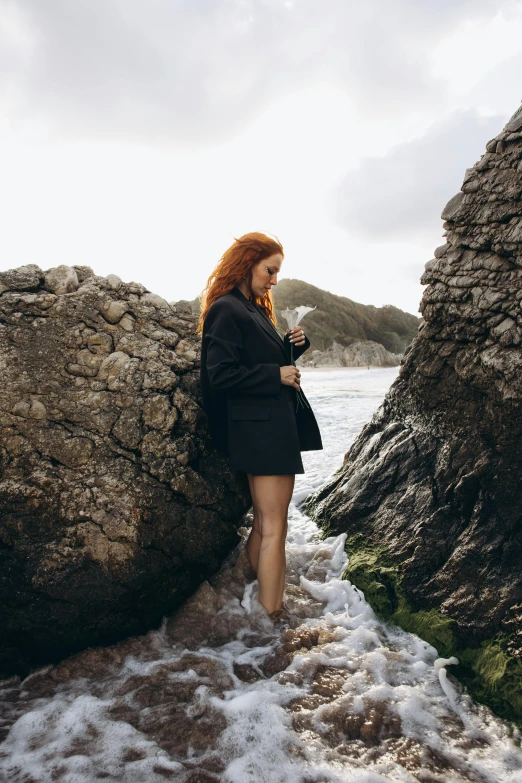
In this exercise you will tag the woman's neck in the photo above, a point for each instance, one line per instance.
(245, 290)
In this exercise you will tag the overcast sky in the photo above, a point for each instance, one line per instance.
(141, 136)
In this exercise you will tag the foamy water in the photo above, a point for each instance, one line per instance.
(221, 694)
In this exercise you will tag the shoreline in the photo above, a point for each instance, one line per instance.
(330, 368)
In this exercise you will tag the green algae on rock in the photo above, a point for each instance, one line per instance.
(490, 673)
(373, 572)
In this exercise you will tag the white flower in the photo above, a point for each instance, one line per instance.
(293, 317)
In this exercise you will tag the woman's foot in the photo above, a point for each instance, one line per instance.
(280, 616)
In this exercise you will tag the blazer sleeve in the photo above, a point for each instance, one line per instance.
(298, 349)
(224, 340)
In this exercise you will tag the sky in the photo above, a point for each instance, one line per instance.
(140, 137)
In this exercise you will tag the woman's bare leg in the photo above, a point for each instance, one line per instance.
(271, 496)
(254, 539)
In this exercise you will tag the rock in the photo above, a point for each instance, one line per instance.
(127, 322)
(515, 123)
(154, 300)
(25, 278)
(430, 492)
(112, 311)
(114, 508)
(114, 281)
(358, 354)
(29, 409)
(61, 280)
(452, 207)
(84, 273)
(441, 250)
(183, 306)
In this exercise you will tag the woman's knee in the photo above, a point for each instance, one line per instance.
(273, 527)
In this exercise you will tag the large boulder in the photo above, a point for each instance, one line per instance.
(113, 507)
(430, 493)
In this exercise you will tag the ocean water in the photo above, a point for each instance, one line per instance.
(220, 693)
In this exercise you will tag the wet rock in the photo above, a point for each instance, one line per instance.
(113, 507)
(430, 492)
(245, 672)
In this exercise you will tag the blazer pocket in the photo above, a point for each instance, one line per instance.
(249, 412)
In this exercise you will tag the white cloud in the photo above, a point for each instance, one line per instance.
(400, 195)
(185, 72)
(477, 48)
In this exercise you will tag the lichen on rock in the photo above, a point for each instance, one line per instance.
(432, 483)
(113, 506)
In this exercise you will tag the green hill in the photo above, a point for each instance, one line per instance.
(343, 320)
(339, 318)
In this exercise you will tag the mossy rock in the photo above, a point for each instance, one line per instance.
(492, 676)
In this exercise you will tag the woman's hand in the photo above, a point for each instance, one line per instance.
(297, 336)
(291, 376)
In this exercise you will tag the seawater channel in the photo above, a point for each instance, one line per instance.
(220, 693)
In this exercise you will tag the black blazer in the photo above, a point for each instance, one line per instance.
(246, 403)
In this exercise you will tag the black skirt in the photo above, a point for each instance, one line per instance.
(252, 453)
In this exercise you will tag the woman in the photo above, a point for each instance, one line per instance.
(249, 393)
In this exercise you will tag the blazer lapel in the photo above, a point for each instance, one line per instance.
(264, 322)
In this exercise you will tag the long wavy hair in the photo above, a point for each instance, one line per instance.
(235, 264)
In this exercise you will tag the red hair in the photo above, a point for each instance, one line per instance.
(234, 265)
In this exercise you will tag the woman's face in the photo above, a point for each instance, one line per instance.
(264, 274)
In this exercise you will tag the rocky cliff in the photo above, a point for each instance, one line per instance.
(112, 507)
(360, 354)
(430, 494)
